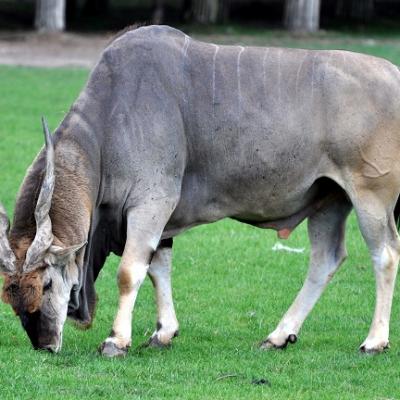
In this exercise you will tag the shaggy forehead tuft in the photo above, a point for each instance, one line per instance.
(24, 292)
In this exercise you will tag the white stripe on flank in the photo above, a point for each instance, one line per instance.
(298, 75)
(184, 51)
(213, 83)
(239, 87)
(279, 77)
(186, 45)
(312, 81)
(264, 72)
(213, 73)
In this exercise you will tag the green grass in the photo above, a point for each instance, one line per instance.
(230, 291)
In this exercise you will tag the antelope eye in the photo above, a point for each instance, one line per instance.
(48, 285)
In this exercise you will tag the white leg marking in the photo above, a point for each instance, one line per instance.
(145, 224)
(379, 230)
(316, 281)
(122, 327)
(160, 272)
(326, 232)
(385, 267)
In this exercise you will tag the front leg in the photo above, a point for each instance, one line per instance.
(144, 229)
(160, 274)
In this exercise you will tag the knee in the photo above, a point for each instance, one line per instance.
(387, 258)
(124, 280)
(129, 279)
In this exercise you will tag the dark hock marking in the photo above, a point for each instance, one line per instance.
(364, 350)
(112, 333)
(290, 339)
(30, 322)
(166, 243)
(110, 349)
(155, 343)
(159, 325)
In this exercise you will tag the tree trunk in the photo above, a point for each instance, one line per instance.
(205, 11)
(361, 10)
(158, 12)
(224, 10)
(71, 11)
(186, 10)
(302, 15)
(93, 8)
(50, 15)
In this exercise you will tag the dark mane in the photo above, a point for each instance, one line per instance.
(24, 224)
(69, 206)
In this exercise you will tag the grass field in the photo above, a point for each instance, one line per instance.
(230, 292)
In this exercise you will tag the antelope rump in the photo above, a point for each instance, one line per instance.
(170, 133)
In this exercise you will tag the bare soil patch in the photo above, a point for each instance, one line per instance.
(83, 50)
(61, 50)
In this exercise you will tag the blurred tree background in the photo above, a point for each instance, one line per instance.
(103, 15)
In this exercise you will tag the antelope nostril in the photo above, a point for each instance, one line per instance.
(50, 348)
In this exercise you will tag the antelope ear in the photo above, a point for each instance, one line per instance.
(58, 255)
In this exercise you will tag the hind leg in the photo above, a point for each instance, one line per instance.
(326, 230)
(378, 228)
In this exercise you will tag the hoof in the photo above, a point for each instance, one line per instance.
(110, 349)
(374, 350)
(155, 343)
(268, 344)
